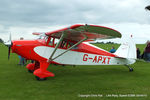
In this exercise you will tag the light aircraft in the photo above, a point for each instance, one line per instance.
(69, 46)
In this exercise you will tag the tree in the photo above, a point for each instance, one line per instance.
(147, 7)
(1, 41)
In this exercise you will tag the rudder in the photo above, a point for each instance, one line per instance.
(127, 49)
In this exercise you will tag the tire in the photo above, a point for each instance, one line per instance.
(40, 79)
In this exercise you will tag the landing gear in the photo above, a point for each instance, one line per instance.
(33, 66)
(130, 69)
(30, 71)
(39, 69)
(30, 67)
(42, 73)
(40, 79)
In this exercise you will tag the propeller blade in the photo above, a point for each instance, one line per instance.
(148, 7)
(10, 37)
(9, 52)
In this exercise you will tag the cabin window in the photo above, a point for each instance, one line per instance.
(46, 39)
(52, 41)
(64, 44)
(71, 44)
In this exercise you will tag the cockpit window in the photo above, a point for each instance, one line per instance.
(53, 41)
(64, 44)
(46, 38)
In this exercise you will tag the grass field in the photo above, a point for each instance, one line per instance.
(74, 83)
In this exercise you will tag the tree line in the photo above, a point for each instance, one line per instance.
(1, 41)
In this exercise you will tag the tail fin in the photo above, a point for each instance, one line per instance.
(127, 49)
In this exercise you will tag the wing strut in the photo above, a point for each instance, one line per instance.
(85, 38)
(61, 38)
(50, 59)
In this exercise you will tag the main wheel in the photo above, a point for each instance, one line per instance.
(30, 71)
(40, 79)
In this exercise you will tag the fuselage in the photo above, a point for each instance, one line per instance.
(83, 54)
(25, 48)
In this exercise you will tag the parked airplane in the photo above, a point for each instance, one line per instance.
(69, 46)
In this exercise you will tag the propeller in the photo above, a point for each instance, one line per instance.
(147, 7)
(9, 44)
(9, 52)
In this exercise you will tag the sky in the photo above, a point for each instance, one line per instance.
(23, 17)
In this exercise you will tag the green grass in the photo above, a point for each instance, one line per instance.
(17, 84)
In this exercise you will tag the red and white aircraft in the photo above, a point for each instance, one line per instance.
(69, 46)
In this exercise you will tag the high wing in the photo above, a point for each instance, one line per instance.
(78, 32)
